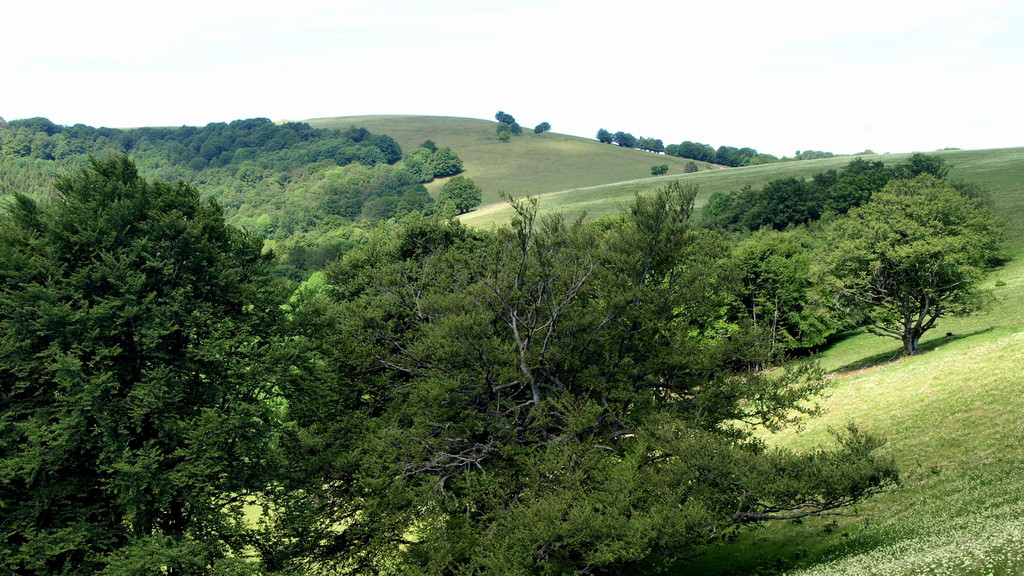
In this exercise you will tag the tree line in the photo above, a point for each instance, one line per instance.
(888, 249)
(289, 182)
(723, 155)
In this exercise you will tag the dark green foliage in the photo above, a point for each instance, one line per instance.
(258, 170)
(546, 399)
(504, 118)
(651, 145)
(136, 369)
(604, 136)
(659, 170)
(624, 139)
(507, 124)
(692, 150)
(462, 193)
(812, 155)
(788, 201)
(919, 164)
(374, 193)
(541, 128)
(910, 256)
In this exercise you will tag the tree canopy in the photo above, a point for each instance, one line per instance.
(136, 377)
(555, 397)
(908, 257)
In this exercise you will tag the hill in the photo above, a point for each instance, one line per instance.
(993, 170)
(529, 164)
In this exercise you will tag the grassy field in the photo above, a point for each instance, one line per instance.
(954, 417)
(529, 164)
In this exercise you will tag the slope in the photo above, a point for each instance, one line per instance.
(954, 418)
(529, 164)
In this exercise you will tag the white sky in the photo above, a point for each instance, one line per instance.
(777, 76)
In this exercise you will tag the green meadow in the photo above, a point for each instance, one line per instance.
(528, 165)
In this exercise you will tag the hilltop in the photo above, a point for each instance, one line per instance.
(529, 164)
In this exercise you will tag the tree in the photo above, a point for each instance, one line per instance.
(624, 139)
(911, 255)
(445, 162)
(659, 169)
(604, 136)
(541, 128)
(462, 192)
(554, 398)
(777, 288)
(136, 374)
(504, 118)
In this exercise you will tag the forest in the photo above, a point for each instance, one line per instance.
(553, 396)
(286, 182)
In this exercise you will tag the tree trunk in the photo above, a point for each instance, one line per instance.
(911, 342)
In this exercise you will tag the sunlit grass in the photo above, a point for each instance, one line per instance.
(954, 419)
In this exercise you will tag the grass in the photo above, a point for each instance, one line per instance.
(529, 164)
(953, 418)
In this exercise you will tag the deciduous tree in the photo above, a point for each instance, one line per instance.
(911, 255)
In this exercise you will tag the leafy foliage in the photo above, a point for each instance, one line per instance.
(136, 370)
(911, 255)
(461, 192)
(789, 201)
(554, 397)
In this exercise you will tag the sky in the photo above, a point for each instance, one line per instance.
(780, 76)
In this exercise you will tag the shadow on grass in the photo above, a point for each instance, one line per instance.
(897, 352)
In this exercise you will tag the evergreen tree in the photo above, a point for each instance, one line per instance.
(135, 329)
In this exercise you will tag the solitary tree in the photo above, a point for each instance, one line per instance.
(134, 326)
(462, 192)
(541, 128)
(911, 255)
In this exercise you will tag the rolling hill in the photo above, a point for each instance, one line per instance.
(530, 164)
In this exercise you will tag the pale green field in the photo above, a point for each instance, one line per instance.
(529, 164)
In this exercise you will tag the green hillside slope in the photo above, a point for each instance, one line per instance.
(954, 418)
(993, 170)
(529, 164)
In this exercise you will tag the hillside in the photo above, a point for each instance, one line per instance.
(993, 170)
(530, 164)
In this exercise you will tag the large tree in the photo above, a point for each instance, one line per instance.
(461, 192)
(911, 255)
(135, 375)
(558, 397)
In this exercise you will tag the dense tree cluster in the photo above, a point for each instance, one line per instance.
(901, 248)
(791, 201)
(287, 182)
(547, 398)
(282, 147)
(507, 124)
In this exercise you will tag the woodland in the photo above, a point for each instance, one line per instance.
(395, 392)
